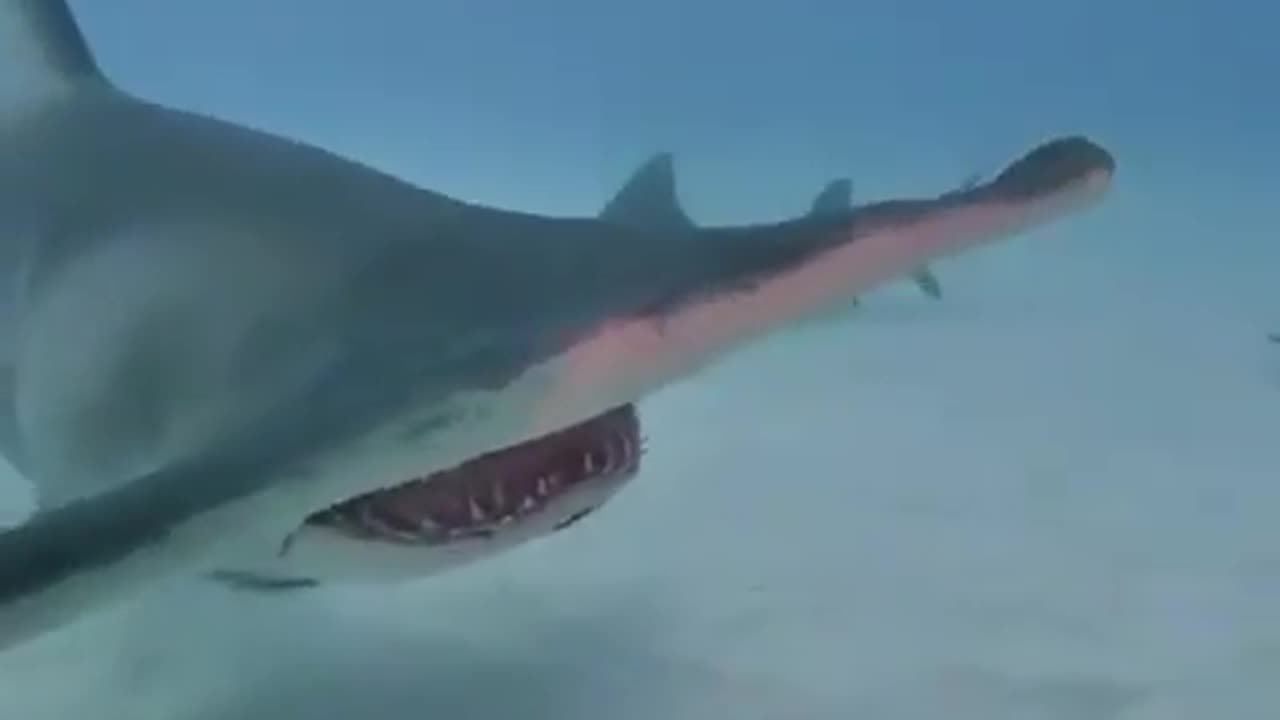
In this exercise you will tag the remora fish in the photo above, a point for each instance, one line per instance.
(213, 333)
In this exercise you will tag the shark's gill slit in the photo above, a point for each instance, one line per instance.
(478, 497)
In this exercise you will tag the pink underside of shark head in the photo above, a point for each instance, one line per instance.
(630, 358)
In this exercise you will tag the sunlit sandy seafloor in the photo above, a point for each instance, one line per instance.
(1053, 495)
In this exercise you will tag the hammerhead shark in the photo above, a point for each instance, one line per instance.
(222, 344)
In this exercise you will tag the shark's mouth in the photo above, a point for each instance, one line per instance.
(551, 475)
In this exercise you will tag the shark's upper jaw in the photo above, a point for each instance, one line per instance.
(553, 480)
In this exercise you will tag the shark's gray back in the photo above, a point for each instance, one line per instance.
(204, 271)
(104, 160)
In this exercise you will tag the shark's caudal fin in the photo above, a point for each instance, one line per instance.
(44, 54)
(837, 198)
(648, 199)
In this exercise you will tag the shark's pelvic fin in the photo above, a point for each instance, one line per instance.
(43, 55)
(928, 283)
(648, 199)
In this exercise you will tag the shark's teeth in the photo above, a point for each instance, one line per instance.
(377, 522)
(486, 497)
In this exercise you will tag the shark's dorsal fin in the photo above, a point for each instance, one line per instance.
(43, 55)
(648, 199)
(835, 198)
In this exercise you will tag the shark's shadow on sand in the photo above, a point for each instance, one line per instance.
(608, 655)
(611, 654)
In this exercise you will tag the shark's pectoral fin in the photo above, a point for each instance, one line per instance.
(92, 552)
(67, 560)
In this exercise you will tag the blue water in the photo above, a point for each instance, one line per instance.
(1051, 495)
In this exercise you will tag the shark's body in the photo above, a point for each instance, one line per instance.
(215, 338)
(647, 201)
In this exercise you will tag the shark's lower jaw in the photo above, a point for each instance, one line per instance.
(551, 481)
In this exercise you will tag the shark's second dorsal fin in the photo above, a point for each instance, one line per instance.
(648, 199)
(835, 198)
(43, 55)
